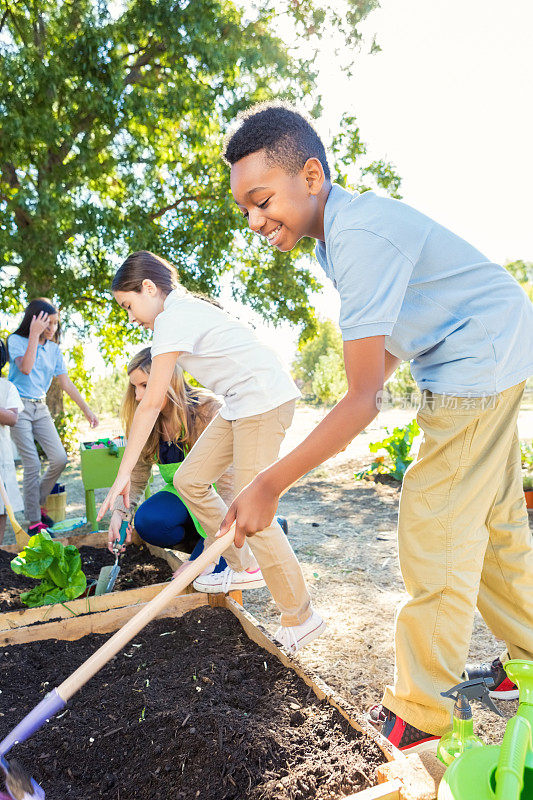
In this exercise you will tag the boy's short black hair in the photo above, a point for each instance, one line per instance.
(286, 136)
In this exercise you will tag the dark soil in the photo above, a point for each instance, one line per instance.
(138, 567)
(190, 709)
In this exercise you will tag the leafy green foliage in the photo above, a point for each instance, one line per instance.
(327, 339)
(397, 446)
(58, 567)
(523, 272)
(401, 385)
(526, 452)
(69, 415)
(329, 378)
(112, 123)
(352, 169)
(108, 392)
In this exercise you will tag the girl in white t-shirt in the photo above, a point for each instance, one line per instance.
(259, 398)
(10, 405)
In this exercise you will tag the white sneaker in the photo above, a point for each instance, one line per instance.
(295, 637)
(228, 580)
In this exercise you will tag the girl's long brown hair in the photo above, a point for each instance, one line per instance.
(187, 405)
(144, 265)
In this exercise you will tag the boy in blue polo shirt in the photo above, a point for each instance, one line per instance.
(410, 290)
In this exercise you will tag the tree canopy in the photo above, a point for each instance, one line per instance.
(112, 126)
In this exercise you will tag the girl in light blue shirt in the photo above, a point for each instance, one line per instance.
(35, 358)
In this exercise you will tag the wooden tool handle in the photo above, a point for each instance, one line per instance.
(5, 498)
(191, 571)
(9, 509)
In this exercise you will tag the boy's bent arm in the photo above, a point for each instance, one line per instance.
(364, 359)
(143, 422)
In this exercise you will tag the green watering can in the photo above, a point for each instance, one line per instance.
(499, 772)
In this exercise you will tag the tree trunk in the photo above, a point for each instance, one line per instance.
(54, 399)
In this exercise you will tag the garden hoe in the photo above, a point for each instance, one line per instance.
(108, 575)
(20, 535)
(18, 784)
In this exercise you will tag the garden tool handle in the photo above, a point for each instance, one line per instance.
(113, 645)
(5, 498)
(117, 544)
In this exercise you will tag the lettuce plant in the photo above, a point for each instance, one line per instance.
(397, 446)
(57, 566)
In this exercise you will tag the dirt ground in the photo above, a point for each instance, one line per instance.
(344, 533)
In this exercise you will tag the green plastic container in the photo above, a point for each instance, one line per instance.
(98, 471)
(499, 772)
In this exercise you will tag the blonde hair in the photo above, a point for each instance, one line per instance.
(186, 407)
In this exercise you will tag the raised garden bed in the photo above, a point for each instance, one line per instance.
(202, 706)
(143, 572)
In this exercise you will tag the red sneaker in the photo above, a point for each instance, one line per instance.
(400, 733)
(503, 689)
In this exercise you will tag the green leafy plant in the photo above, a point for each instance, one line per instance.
(398, 448)
(56, 566)
(329, 379)
(527, 482)
(526, 452)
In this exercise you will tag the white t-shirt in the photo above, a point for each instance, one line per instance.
(9, 398)
(223, 355)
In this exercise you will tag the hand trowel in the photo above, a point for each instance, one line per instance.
(108, 575)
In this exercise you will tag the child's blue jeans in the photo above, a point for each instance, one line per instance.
(163, 520)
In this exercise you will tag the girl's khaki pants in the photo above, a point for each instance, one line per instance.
(251, 444)
(464, 539)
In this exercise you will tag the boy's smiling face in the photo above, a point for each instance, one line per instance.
(279, 206)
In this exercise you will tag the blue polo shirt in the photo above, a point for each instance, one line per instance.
(48, 363)
(462, 321)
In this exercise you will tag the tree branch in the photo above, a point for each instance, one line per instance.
(135, 72)
(185, 199)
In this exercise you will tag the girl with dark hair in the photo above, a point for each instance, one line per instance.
(35, 358)
(259, 399)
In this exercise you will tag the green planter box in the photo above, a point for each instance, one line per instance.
(99, 469)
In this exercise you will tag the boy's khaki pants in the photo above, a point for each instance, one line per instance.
(464, 538)
(251, 444)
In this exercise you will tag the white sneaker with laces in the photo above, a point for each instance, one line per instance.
(229, 580)
(297, 636)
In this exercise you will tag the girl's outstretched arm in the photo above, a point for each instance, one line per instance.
(143, 422)
(367, 364)
(68, 387)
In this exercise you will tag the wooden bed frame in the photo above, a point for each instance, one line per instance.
(403, 778)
